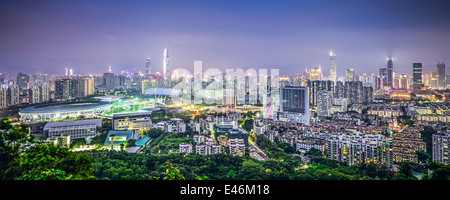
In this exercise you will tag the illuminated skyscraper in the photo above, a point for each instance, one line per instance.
(390, 72)
(383, 75)
(417, 76)
(147, 66)
(441, 75)
(166, 68)
(350, 75)
(332, 67)
(315, 74)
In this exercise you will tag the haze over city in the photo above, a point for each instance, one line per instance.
(89, 36)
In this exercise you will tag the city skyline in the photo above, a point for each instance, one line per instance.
(89, 36)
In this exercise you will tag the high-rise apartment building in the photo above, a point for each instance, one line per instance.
(353, 90)
(44, 92)
(358, 148)
(315, 86)
(23, 80)
(3, 97)
(109, 80)
(441, 148)
(367, 94)
(73, 88)
(339, 90)
(406, 144)
(34, 94)
(390, 72)
(417, 76)
(13, 95)
(294, 104)
(324, 103)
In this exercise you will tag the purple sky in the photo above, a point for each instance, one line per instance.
(47, 36)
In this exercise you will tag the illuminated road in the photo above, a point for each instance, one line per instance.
(258, 153)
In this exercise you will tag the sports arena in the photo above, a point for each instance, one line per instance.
(54, 111)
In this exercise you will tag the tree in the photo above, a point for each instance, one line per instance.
(405, 172)
(314, 152)
(13, 140)
(427, 136)
(42, 160)
(440, 171)
(172, 173)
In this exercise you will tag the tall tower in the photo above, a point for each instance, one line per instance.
(350, 74)
(332, 67)
(441, 74)
(417, 76)
(390, 72)
(166, 68)
(147, 66)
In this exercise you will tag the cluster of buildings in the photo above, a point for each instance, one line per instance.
(226, 133)
(313, 111)
(204, 146)
(35, 89)
(347, 140)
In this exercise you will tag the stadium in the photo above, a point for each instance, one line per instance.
(55, 111)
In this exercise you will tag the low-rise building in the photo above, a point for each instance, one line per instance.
(139, 121)
(174, 125)
(237, 147)
(117, 137)
(202, 149)
(76, 129)
(185, 148)
(304, 144)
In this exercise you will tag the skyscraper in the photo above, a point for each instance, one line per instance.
(441, 75)
(315, 86)
(350, 75)
(294, 104)
(417, 76)
(22, 81)
(166, 67)
(390, 72)
(434, 79)
(34, 94)
(333, 75)
(315, 74)
(3, 97)
(353, 90)
(147, 66)
(324, 103)
(13, 97)
(383, 75)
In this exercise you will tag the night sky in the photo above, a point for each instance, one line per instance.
(39, 36)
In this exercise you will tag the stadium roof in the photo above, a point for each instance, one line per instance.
(162, 91)
(65, 107)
